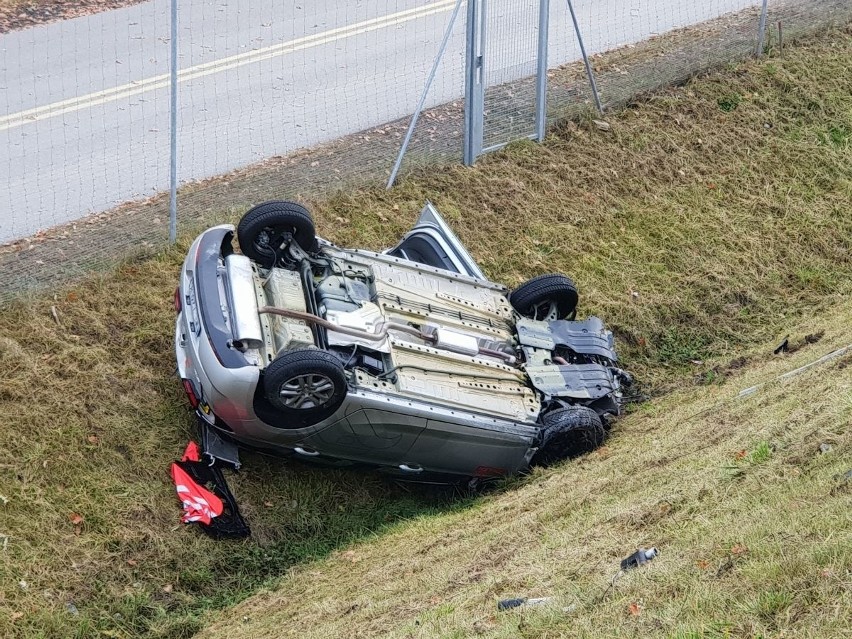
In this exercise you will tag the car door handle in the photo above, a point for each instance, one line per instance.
(308, 452)
(411, 468)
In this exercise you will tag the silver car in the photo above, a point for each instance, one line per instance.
(409, 360)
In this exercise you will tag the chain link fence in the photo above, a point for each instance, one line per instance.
(280, 100)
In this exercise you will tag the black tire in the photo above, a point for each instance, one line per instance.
(265, 227)
(567, 433)
(305, 385)
(557, 289)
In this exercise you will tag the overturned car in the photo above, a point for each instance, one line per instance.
(408, 360)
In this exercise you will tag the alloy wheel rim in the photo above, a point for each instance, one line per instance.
(306, 391)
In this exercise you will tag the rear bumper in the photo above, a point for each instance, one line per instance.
(222, 378)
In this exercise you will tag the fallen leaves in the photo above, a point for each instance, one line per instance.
(738, 549)
(77, 520)
(634, 609)
(20, 15)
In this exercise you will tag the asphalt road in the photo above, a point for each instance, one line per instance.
(84, 103)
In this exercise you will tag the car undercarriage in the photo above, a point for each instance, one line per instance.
(376, 357)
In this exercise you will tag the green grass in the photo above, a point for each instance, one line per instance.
(761, 453)
(695, 232)
(729, 102)
(766, 552)
(91, 417)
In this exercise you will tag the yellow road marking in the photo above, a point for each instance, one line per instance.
(217, 66)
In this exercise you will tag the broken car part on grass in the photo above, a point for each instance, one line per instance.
(205, 497)
(639, 558)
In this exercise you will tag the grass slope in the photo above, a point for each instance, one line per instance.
(752, 521)
(710, 218)
(706, 215)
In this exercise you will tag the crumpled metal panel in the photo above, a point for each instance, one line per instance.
(576, 381)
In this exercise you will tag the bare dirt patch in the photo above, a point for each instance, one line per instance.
(20, 14)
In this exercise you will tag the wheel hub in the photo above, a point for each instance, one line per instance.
(546, 311)
(306, 391)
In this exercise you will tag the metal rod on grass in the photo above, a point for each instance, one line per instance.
(761, 29)
(589, 71)
(173, 127)
(422, 101)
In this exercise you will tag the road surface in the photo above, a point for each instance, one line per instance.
(84, 103)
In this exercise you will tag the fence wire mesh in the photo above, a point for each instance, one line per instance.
(511, 34)
(282, 100)
(79, 131)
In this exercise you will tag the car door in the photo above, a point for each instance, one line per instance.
(452, 447)
(370, 435)
(433, 243)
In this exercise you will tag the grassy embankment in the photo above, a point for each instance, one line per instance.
(711, 219)
(751, 518)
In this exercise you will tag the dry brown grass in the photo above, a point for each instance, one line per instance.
(751, 519)
(730, 234)
(708, 217)
(91, 415)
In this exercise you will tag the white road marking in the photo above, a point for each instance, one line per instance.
(216, 66)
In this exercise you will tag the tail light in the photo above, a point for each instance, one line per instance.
(177, 300)
(190, 392)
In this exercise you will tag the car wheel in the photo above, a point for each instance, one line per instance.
(305, 385)
(265, 228)
(551, 296)
(567, 433)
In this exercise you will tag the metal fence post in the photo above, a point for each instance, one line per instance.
(541, 78)
(589, 71)
(761, 29)
(422, 101)
(474, 89)
(173, 126)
